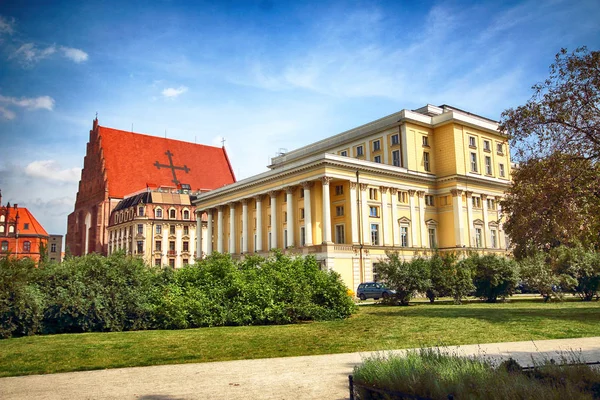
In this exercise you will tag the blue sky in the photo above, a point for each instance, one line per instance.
(264, 75)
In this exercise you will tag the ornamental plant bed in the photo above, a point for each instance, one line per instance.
(431, 374)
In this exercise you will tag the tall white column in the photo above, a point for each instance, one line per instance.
(459, 230)
(326, 210)
(366, 227)
(385, 216)
(486, 229)
(307, 213)
(290, 215)
(209, 232)
(394, 224)
(413, 217)
(421, 195)
(232, 228)
(354, 212)
(470, 219)
(220, 229)
(244, 226)
(274, 211)
(404, 146)
(199, 234)
(259, 246)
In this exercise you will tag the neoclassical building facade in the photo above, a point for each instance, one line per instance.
(413, 182)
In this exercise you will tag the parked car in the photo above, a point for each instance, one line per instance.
(374, 290)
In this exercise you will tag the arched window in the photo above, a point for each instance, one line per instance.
(1, 218)
(1, 228)
(186, 214)
(11, 229)
(158, 213)
(27, 246)
(172, 213)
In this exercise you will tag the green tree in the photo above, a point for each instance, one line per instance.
(460, 281)
(407, 278)
(494, 277)
(537, 274)
(581, 267)
(442, 268)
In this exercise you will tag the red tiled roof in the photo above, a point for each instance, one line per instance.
(25, 217)
(132, 161)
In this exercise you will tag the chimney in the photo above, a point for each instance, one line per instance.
(16, 206)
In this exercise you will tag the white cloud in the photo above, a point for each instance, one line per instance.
(7, 25)
(174, 92)
(50, 169)
(76, 55)
(6, 113)
(34, 103)
(28, 53)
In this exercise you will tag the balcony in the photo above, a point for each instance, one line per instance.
(172, 253)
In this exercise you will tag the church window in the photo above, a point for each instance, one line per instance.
(186, 214)
(4, 245)
(158, 213)
(172, 213)
(27, 246)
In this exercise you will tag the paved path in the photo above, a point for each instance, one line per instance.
(309, 377)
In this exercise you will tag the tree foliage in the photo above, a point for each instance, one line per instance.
(553, 201)
(580, 267)
(405, 277)
(494, 277)
(555, 196)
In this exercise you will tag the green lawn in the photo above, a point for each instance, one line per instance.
(374, 327)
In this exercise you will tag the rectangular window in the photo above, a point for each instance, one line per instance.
(488, 165)
(473, 162)
(141, 211)
(344, 153)
(185, 261)
(428, 200)
(359, 151)
(375, 234)
(301, 194)
(172, 263)
(27, 246)
(476, 202)
(255, 242)
(140, 247)
(404, 236)
(491, 204)
(487, 145)
(472, 142)
(339, 234)
(425, 141)
(158, 245)
(501, 169)
(395, 140)
(403, 197)
(478, 237)
(53, 247)
(140, 229)
(376, 145)
(285, 216)
(301, 213)
(270, 241)
(172, 230)
(499, 148)
(339, 211)
(432, 242)
(339, 190)
(157, 262)
(285, 239)
(494, 238)
(373, 194)
(426, 161)
(186, 246)
(374, 212)
(171, 246)
(158, 229)
(396, 158)
(186, 230)
(302, 236)
(377, 159)
(25, 226)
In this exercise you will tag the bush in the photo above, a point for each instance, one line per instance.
(21, 302)
(493, 276)
(406, 278)
(580, 268)
(537, 274)
(432, 374)
(449, 278)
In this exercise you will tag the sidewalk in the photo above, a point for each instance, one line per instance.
(297, 378)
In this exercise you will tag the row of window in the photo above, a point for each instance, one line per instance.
(487, 145)
(125, 216)
(26, 246)
(488, 166)
(157, 230)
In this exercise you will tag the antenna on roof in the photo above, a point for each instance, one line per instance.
(222, 142)
(96, 115)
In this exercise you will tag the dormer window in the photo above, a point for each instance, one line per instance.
(186, 214)
(141, 211)
(172, 213)
(158, 213)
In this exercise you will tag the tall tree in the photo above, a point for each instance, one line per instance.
(555, 196)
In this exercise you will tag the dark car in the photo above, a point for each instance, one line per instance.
(374, 290)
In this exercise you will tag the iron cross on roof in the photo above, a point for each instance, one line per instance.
(173, 167)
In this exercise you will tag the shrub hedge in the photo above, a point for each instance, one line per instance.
(116, 293)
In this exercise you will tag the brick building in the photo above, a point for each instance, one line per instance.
(21, 235)
(118, 163)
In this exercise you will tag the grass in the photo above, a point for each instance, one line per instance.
(374, 327)
(433, 374)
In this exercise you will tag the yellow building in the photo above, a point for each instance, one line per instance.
(413, 181)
